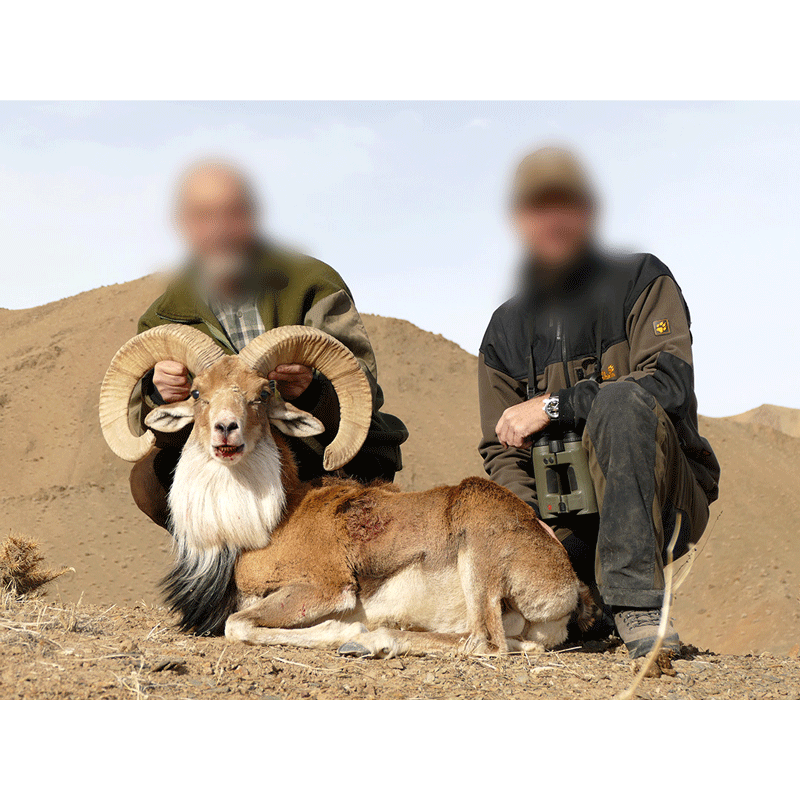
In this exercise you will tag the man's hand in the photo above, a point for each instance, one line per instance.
(520, 422)
(292, 379)
(171, 378)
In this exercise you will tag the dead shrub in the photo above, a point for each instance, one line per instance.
(22, 568)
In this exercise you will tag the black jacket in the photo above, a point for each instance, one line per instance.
(610, 318)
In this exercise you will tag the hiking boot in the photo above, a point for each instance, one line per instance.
(638, 628)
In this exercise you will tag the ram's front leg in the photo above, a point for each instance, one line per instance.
(293, 606)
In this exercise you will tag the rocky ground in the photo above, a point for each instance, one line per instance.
(54, 651)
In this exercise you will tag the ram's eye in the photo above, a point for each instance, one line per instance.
(265, 395)
(195, 394)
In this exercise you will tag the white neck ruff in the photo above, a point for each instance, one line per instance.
(214, 506)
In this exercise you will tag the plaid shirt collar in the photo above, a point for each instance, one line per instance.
(241, 322)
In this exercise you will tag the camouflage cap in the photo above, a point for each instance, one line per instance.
(551, 169)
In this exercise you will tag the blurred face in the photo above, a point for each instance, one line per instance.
(555, 228)
(217, 219)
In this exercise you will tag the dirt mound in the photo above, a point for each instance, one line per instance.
(69, 491)
(784, 420)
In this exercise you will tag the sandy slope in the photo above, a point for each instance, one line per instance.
(785, 420)
(66, 488)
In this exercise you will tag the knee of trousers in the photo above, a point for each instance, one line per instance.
(619, 406)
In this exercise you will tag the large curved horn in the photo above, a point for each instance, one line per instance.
(135, 358)
(298, 344)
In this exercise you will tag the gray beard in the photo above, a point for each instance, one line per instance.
(216, 271)
(228, 267)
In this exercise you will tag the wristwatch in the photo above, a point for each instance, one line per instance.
(550, 405)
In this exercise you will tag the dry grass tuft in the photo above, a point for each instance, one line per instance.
(21, 567)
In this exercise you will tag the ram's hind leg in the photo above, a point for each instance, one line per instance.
(547, 607)
(484, 610)
(539, 636)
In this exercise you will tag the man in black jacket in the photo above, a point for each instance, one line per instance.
(600, 345)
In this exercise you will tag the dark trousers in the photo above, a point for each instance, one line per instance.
(642, 479)
(151, 478)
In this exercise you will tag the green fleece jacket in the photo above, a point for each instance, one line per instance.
(294, 289)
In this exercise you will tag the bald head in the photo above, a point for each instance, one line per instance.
(216, 212)
(211, 182)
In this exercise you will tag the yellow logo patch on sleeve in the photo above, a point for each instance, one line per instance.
(661, 327)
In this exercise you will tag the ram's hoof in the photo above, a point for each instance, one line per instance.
(355, 650)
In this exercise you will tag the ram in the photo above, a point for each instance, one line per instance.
(331, 563)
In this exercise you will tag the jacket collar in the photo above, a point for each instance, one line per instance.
(579, 276)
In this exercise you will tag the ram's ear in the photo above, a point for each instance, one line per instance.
(170, 418)
(294, 422)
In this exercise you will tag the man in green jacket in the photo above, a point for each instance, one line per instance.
(599, 345)
(235, 286)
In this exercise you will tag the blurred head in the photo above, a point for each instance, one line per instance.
(554, 208)
(217, 216)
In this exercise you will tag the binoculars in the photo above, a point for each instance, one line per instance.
(561, 472)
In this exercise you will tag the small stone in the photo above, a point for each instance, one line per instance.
(795, 652)
(430, 678)
(522, 677)
(355, 650)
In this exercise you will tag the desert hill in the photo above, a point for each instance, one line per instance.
(785, 420)
(61, 484)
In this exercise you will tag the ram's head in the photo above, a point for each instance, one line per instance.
(232, 403)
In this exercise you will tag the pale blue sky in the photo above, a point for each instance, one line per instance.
(407, 202)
